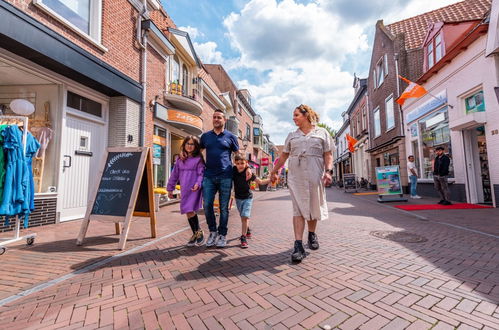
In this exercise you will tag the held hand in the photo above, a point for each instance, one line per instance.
(249, 174)
(274, 177)
(170, 194)
(327, 179)
(195, 188)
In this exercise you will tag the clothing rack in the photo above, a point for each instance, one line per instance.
(30, 238)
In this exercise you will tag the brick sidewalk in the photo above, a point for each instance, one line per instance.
(354, 281)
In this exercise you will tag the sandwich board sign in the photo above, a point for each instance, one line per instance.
(124, 190)
(389, 184)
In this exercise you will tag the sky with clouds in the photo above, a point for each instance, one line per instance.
(288, 52)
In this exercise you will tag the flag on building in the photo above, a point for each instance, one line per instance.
(351, 143)
(413, 90)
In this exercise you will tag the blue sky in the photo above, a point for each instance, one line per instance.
(288, 52)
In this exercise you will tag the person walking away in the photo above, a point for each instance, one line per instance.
(189, 170)
(219, 144)
(440, 175)
(412, 172)
(309, 150)
(244, 196)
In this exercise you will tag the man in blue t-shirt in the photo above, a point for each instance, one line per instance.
(219, 144)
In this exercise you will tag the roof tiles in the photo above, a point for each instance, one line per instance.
(415, 27)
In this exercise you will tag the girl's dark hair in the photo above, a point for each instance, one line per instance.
(197, 148)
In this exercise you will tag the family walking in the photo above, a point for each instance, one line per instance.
(309, 150)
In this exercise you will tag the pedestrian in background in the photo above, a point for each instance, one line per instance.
(189, 170)
(412, 172)
(441, 165)
(309, 150)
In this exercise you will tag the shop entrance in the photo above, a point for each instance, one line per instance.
(83, 147)
(477, 166)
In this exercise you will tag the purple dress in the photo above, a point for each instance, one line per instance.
(188, 172)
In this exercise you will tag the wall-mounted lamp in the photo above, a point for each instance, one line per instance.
(22, 107)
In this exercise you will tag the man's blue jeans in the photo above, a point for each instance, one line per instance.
(414, 183)
(210, 188)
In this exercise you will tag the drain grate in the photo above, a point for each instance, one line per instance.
(398, 236)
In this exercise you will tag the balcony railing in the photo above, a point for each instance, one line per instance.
(179, 97)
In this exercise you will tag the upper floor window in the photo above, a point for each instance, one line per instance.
(434, 50)
(377, 122)
(364, 118)
(248, 132)
(175, 70)
(390, 114)
(381, 71)
(185, 80)
(83, 15)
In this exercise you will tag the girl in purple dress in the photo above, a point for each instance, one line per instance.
(189, 171)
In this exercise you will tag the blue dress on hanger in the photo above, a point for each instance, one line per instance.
(18, 195)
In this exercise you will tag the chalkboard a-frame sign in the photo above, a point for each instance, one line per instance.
(124, 190)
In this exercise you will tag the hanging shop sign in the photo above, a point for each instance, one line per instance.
(124, 190)
(265, 161)
(177, 117)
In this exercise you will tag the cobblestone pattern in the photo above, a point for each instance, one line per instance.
(355, 281)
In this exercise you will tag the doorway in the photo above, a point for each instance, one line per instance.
(477, 166)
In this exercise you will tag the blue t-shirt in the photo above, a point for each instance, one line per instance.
(218, 151)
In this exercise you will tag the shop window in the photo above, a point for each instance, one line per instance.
(159, 156)
(475, 103)
(83, 15)
(377, 123)
(80, 103)
(434, 132)
(390, 114)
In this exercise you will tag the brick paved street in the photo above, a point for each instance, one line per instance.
(355, 281)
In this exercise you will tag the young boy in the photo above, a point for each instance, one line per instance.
(244, 197)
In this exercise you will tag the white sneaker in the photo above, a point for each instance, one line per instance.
(416, 197)
(212, 239)
(221, 241)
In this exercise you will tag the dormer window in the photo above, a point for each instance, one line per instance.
(434, 50)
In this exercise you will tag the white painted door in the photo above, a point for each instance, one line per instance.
(84, 146)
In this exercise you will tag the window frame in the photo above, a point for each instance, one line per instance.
(389, 128)
(95, 21)
(431, 49)
(377, 121)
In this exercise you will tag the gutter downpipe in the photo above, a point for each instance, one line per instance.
(142, 40)
(396, 58)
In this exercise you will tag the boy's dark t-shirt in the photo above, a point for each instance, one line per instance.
(241, 186)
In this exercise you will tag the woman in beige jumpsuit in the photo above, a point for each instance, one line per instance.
(309, 150)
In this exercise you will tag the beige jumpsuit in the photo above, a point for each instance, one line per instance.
(306, 170)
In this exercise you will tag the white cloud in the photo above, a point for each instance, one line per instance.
(193, 31)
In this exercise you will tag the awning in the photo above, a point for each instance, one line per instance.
(253, 164)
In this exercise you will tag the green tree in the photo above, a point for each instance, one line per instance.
(330, 130)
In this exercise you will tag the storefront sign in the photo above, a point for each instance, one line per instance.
(156, 151)
(265, 162)
(388, 180)
(156, 139)
(125, 189)
(176, 116)
(428, 106)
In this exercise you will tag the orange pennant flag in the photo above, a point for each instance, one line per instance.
(351, 143)
(413, 90)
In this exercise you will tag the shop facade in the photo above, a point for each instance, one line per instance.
(75, 94)
(461, 115)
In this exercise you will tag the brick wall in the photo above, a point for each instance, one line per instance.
(44, 214)
(123, 121)
(118, 33)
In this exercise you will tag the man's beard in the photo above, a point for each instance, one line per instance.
(219, 125)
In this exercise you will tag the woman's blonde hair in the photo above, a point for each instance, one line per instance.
(308, 112)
